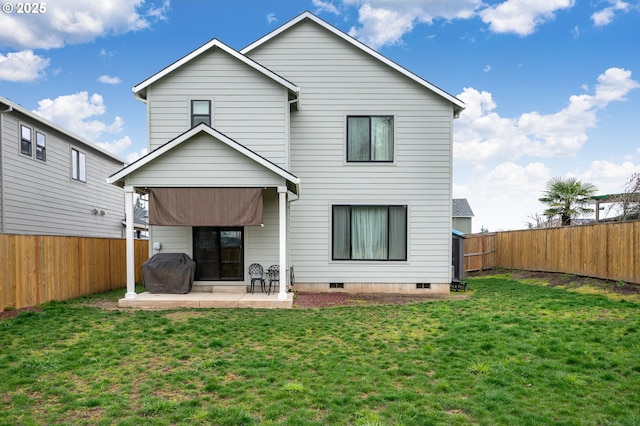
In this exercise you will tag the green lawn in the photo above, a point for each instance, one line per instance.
(511, 354)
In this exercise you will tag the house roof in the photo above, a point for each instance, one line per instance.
(461, 208)
(140, 90)
(458, 104)
(16, 107)
(118, 177)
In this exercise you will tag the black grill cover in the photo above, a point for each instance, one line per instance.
(169, 273)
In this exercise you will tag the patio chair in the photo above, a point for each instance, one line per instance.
(273, 274)
(256, 272)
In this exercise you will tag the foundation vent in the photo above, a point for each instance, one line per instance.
(423, 285)
(336, 285)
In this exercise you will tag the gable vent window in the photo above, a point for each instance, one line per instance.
(200, 113)
(25, 140)
(41, 146)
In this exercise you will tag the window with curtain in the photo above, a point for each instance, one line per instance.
(369, 232)
(200, 113)
(370, 138)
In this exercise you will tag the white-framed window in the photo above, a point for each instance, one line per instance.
(26, 140)
(369, 232)
(78, 165)
(369, 138)
(200, 112)
(41, 146)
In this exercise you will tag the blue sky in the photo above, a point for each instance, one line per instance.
(552, 88)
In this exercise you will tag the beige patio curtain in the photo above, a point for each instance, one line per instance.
(205, 206)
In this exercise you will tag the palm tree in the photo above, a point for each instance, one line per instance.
(567, 198)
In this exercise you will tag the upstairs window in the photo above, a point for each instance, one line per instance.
(78, 166)
(41, 146)
(369, 232)
(200, 113)
(25, 140)
(369, 139)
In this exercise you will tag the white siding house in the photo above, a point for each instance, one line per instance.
(353, 154)
(53, 182)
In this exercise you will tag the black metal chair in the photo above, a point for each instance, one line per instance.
(256, 272)
(273, 274)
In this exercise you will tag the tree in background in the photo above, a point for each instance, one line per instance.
(628, 203)
(567, 199)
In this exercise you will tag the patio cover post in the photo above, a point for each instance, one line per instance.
(130, 244)
(282, 200)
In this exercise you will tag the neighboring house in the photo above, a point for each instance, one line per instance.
(305, 149)
(52, 182)
(462, 215)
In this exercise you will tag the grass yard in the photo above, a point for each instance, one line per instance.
(513, 353)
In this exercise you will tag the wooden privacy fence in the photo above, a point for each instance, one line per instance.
(479, 252)
(607, 250)
(37, 269)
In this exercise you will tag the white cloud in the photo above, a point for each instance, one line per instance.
(69, 21)
(481, 134)
(325, 6)
(384, 22)
(271, 18)
(492, 193)
(75, 113)
(522, 16)
(605, 16)
(116, 147)
(107, 79)
(22, 66)
(487, 68)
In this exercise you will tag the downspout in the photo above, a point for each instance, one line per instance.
(2, 191)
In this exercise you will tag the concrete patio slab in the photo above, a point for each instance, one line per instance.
(148, 300)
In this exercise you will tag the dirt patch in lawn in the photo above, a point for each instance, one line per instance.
(569, 281)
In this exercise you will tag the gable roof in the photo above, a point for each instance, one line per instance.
(118, 177)
(16, 107)
(457, 103)
(140, 91)
(461, 208)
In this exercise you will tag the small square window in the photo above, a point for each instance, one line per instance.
(25, 140)
(41, 146)
(369, 139)
(200, 113)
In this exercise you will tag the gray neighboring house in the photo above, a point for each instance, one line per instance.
(462, 215)
(53, 182)
(306, 149)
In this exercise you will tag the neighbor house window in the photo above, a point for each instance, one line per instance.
(200, 113)
(41, 146)
(369, 233)
(370, 139)
(78, 165)
(25, 140)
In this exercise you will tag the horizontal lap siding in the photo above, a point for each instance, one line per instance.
(247, 106)
(41, 198)
(204, 161)
(339, 80)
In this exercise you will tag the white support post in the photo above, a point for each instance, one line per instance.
(130, 244)
(282, 202)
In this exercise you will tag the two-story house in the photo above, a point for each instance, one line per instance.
(305, 149)
(53, 182)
